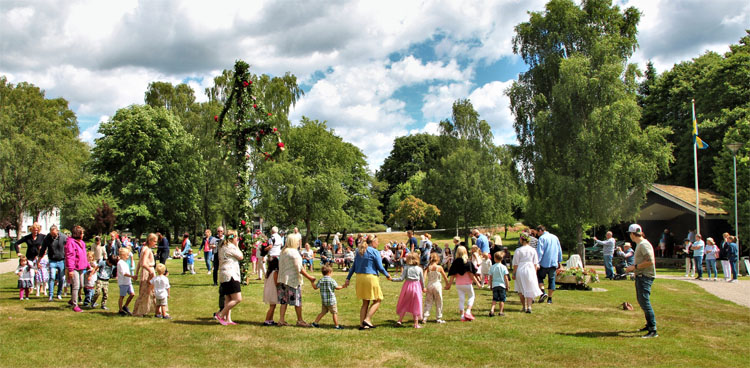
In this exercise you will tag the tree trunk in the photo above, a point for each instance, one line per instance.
(328, 236)
(506, 232)
(308, 225)
(19, 223)
(579, 243)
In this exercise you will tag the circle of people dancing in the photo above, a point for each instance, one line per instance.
(283, 264)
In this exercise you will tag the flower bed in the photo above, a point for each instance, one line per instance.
(577, 277)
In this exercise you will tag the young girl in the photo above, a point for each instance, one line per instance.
(42, 275)
(525, 265)
(25, 277)
(484, 270)
(476, 258)
(433, 274)
(410, 300)
(397, 257)
(90, 278)
(463, 272)
(270, 294)
(447, 258)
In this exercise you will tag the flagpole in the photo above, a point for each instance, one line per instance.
(695, 164)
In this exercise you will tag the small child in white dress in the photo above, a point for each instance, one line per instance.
(161, 291)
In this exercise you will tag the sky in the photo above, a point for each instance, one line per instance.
(374, 70)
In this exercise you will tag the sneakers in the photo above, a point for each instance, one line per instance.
(77, 309)
(733, 281)
(315, 325)
(122, 313)
(469, 316)
(440, 321)
(463, 319)
(59, 297)
(208, 273)
(501, 314)
(104, 307)
(127, 311)
(650, 334)
(549, 300)
(492, 314)
(158, 316)
(543, 297)
(269, 323)
(339, 327)
(221, 320)
(644, 329)
(168, 317)
(528, 311)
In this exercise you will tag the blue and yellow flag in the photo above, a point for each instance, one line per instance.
(698, 142)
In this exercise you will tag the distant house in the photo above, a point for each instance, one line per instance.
(673, 207)
(46, 219)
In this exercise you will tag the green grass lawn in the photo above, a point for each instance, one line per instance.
(582, 328)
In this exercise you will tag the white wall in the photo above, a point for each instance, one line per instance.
(46, 220)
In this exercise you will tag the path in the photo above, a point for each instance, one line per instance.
(738, 293)
(8, 265)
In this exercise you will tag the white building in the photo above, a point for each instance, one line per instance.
(46, 219)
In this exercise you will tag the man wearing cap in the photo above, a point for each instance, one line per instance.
(608, 250)
(645, 272)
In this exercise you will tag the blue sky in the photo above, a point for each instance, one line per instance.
(375, 70)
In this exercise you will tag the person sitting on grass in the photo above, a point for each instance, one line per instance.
(125, 282)
(328, 287)
(161, 291)
(499, 282)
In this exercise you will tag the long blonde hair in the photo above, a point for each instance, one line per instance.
(461, 253)
(293, 241)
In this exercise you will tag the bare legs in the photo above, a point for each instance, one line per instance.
(369, 307)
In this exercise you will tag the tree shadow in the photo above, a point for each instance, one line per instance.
(597, 334)
(43, 309)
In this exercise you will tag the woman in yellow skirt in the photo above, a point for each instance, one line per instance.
(367, 264)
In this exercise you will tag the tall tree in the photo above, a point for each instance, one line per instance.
(146, 160)
(40, 151)
(584, 154)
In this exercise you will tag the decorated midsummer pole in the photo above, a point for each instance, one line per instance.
(244, 126)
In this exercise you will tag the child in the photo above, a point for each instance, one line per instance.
(42, 275)
(484, 270)
(447, 258)
(410, 300)
(102, 281)
(476, 258)
(434, 288)
(463, 272)
(328, 287)
(125, 281)
(499, 281)
(270, 294)
(161, 291)
(191, 262)
(25, 277)
(90, 278)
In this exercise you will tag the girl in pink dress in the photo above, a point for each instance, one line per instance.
(410, 300)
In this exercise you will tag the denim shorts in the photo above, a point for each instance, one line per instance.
(547, 272)
(126, 290)
(498, 294)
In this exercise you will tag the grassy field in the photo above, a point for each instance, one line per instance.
(582, 328)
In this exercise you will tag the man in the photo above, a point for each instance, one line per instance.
(645, 272)
(733, 252)
(54, 247)
(411, 244)
(274, 243)
(215, 244)
(162, 250)
(550, 259)
(627, 253)
(608, 249)
(336, 242)
(33, 242)
(697, 247)
(482, 242)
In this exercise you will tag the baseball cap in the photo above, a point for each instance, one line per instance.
(635, 228)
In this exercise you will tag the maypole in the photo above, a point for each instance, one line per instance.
(697, 143)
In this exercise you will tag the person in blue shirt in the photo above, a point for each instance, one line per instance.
(412, 242)
(733, 256)
(482, 242)
(367, 265)
(697, 248)
(550, 259)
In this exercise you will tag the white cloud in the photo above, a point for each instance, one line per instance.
(493, 106)
(438, 102)
(90, 134)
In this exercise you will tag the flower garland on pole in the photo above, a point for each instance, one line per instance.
(244, 127)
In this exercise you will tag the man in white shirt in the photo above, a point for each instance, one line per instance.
(608, 249)
(275, 243)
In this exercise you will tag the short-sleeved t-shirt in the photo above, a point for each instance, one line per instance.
(327, 286)
(122, 270)
(498, 271)
(644, 251)
(161, 284)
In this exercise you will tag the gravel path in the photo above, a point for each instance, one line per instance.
(8, 265)
(734, 292)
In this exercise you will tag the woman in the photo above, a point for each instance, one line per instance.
(387, 256)
(75, 263)
(525, 265)
(712, 253)
(208, 254)
(308, 257)
(289, 285)
(146, 302)
(726, 268)
(229, 276)
(185, 250)
(367, 265)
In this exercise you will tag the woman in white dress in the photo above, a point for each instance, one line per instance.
(525, 265)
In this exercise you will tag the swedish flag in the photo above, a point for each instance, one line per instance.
(698, 142)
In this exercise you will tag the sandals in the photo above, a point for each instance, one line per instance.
(282, 324)
(399, 324)
(368, 324)
(364, 327)
(302, 324)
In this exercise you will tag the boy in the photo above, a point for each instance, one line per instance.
(191, 262)
(499, 281)
(161, 291)
(328, 286)
(102, 282)
(125, 281)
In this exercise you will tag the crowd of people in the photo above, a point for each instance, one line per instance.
(283, 263)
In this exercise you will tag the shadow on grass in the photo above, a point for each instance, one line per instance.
(211, 321)
(596, 334)
(42, 309)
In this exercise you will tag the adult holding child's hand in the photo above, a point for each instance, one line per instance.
(367, 264)
(289, 286)
(146, 302)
